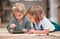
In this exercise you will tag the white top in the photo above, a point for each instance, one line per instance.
(46, 24)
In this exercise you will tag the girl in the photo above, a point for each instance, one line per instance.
(19, 21)
(40, 24)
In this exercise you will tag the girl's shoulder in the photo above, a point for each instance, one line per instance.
(45, 19)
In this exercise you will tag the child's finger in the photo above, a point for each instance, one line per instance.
(12, 26)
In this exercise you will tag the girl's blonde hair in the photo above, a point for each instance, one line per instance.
(35, 11)
(18, 7)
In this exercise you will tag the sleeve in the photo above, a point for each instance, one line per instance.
(46, 24)
(28, 24)
(8, 27)
(8, 24)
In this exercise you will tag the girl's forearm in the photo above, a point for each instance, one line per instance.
(41, 32)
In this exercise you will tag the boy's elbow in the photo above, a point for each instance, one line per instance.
(8, 28)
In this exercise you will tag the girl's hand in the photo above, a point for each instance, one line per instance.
(12, 26)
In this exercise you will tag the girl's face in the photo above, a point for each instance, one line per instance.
(31, 18)
(19, 16)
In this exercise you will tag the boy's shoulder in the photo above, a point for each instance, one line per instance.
(13, 19)
(26, 19)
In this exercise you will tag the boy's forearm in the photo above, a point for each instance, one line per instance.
(8, 28)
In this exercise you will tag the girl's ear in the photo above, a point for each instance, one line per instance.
(42, 16)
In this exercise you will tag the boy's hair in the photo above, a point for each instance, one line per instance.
(35, 11)
(18, 7)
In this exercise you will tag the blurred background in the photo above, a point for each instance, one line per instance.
(51, 8)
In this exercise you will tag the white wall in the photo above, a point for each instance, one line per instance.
(53, 11)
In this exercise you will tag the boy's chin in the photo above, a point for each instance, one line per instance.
(20, 19)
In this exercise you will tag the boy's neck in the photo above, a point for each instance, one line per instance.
(20, 20)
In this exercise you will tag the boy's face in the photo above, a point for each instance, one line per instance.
(31, 18)
(19, 15)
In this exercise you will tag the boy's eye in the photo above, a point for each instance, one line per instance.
(21, 12)
(16, 16)
(19, 15)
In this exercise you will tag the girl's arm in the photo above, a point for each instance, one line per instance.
(33, 31)
(40, 32)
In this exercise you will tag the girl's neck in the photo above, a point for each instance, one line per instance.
(37, 22)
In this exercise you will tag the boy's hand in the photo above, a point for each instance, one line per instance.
(32, 31)
(25, 31)
(12, 26)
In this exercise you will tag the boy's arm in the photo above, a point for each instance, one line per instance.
(8, 27)
(28, 26)
(11, 27)
(12, 21)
